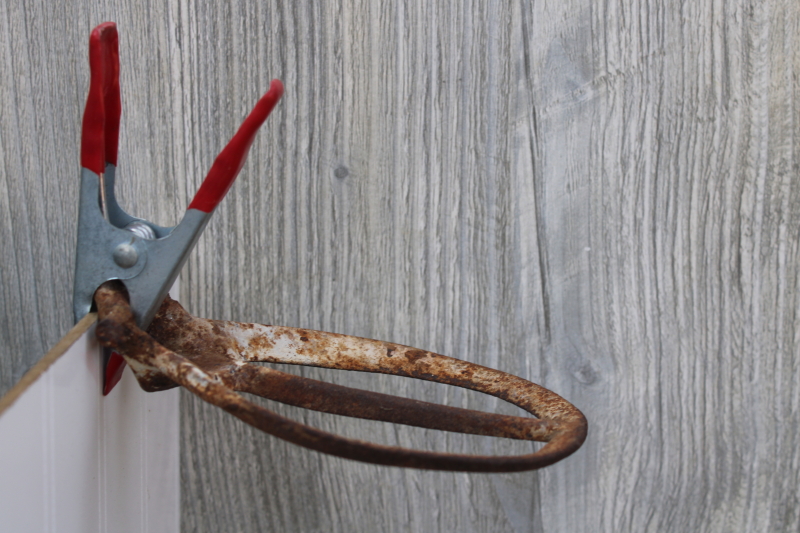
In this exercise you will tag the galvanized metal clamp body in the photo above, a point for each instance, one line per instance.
(115, 245)
(146, 257)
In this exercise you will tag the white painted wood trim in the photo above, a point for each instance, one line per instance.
(72, 460)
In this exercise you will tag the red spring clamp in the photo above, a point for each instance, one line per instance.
(111, 243)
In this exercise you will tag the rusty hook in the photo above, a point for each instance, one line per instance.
(211, 359)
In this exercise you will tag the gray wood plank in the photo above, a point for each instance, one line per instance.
(599, 197)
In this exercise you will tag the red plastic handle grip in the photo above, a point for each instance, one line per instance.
(103, 107)
(231, 159)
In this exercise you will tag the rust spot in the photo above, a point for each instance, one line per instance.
(414, 355)
(304, 339)
(261, 343)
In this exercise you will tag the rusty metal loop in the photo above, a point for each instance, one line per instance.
(213, 359)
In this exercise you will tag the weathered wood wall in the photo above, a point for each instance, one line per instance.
(601, 197)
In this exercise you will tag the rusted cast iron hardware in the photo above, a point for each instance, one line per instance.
(212, 359)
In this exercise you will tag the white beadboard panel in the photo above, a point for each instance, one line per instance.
(601, 197)
(72, 460)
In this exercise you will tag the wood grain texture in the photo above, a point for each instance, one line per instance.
(600, 197)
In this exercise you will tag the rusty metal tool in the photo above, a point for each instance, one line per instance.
(213, 359)
(111, 243)
(125, 267)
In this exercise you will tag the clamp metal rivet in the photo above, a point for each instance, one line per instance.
(125, 255)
